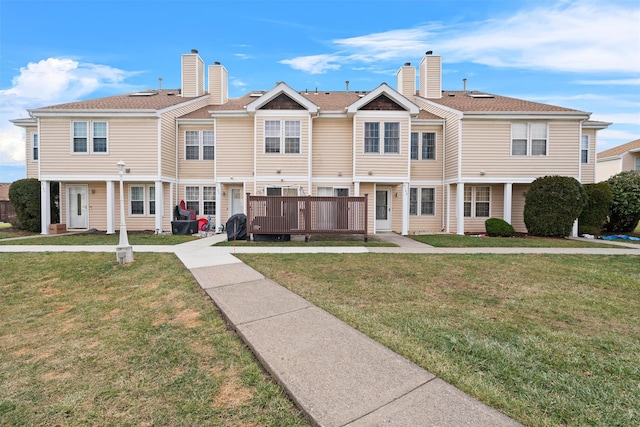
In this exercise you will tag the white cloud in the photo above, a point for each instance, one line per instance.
(610, 82)
(238, 83)
(47, 82)
(572, 36)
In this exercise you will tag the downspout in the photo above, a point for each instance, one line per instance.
(177, 169)
(159, 208)
(444, 159)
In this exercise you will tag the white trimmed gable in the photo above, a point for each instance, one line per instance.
(388, 91)
(281, 88)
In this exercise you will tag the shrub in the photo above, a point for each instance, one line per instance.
(595, 213)
(25, 198)
(497, 227)
(625, 205)
(552, 205)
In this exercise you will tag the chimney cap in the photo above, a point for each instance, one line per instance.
(407, 64)
(429, 52)
(194, 50)
(216, 63)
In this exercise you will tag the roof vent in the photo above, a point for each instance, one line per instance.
(429, 52)
(407, 64)
(479, 95)
(255, 95)
(143, 93)
(216, 63)
(194, 51)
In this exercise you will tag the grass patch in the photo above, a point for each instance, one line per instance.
(547, 339)
(86, 341)
(458, 241)
(318, 240)
(94, 238)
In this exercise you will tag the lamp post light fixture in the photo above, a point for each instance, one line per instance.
(124, 251)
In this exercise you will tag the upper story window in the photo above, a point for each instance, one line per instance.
(636, 164)
(97, 132)
(35, 146)
(425, 198)
(529, 139)
(584, 149)
(477, 202)
(282, 136)
(391, 143)
(199, 145)
(428, 151)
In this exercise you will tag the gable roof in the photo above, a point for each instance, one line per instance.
(281, 88)
(384, 89)
(620, 149)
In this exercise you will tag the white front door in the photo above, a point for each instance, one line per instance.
(77, 212)
(383, 209)
(237, 201)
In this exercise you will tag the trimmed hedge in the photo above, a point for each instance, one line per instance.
(497, 227)
(552, 204)
(624, 214)
(595, 213)
(25, 198)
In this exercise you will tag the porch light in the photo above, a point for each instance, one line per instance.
(124, 251)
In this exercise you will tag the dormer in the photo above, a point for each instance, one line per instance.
(281, 97)
(383, 98)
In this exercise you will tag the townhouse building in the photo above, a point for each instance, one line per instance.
(429, 160)
(622, 158)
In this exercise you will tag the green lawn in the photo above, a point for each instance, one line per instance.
(457, 241)
(95, 238)
(550, 340)
(86, 341)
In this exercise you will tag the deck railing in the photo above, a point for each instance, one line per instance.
(307, 215)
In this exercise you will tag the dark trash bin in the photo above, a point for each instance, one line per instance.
(237, 227)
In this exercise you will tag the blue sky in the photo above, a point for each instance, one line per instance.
(578, 54)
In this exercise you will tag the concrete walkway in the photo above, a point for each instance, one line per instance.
(335, 374)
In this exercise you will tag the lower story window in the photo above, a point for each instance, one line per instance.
(477, 202)
(192, 198)
(422, 200)
(209, 200)
(201, 199)
(141, 196)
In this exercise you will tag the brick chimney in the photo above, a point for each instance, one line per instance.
(218, 84)
(407, 80)
(192, 74)
(431, 76)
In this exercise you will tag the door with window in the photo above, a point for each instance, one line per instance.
(383, 209)
(237, 201)
(77, 212)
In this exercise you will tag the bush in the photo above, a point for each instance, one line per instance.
(497, 227)
(595, 213)
(25, 198)
(552, 205)
(625, 205)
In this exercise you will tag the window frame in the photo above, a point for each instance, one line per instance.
(529, 139)
(190, 143)
(636, 164)
(76, 138)
(147, 202)
(472, 203)
(418, 206)
(189, 200)
(208, 204)
(584, 152)
(333, 190)
(386, 144)
(140, 201)
(94, 138)
(90, 137)
(282, 136)
(35, 147)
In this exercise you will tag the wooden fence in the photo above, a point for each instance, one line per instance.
(307, 215)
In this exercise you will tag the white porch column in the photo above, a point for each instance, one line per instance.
(111, 218)
(218, 205)
(508, 201)
(159, 206)
(574, 230)
(45, 206)
(447, 210)
(356, 189)
(460, 208)
(405, 208)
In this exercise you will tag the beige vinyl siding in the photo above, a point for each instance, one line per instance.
(367, 188)
(193, 169)
(382, 165)
(289, 164)
(192, 75)
(517, 207)
(168, 135)
(234, 147)
(487, 147)
(31, 165)
(628, 161)
(422, 224)
(606, 169)
(140, 157)
(332, 150)
(427, 169)
(588, 170)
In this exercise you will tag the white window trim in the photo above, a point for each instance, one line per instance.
(529, 146)
(333, 190)
(282, 137)
(381, 137)
(200, 145)
(201, 198)
(283, 188)
(419, 201)
(582, 149)
(90, 136)
(636, 164)
(35, 145)
(145, 201)
(421, 146)
(474, 201)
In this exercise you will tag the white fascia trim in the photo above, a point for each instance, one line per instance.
(598, 126)
(382, 113)
(280, 89)
(510, 115)
(423, 183)
(282, 178)
(391, 93)
(97, 178)
(283, 113)
(183, 104)
(26, 122)
(95, 113)
(382, 180)
(207, 121)
(195, 181)
(608, 159)
(440, 106)
(422, 122)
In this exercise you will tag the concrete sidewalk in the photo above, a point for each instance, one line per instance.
(335, 374)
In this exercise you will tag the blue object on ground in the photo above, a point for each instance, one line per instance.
(619, 236)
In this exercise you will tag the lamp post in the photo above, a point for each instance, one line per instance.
(124, 251)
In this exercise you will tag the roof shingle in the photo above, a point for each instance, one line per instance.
(620, 149)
